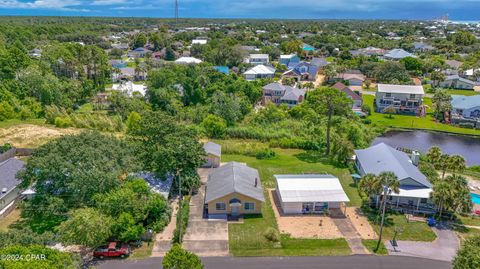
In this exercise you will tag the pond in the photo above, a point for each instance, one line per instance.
(466, 146)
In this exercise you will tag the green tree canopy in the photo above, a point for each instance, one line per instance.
(178, 258)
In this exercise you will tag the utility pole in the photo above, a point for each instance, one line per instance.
(180, 205)
(176, 13)
(385, 193)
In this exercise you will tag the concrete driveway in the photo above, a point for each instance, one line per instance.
(205, 237)
(443, 248)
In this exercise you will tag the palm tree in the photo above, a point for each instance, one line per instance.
(370, 185)
(442, 195)
(434, 155)
(456, 163)
(390, 183)
(461, 200)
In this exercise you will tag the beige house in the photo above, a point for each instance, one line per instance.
(233, 189)
(214, 155)
(9, 184)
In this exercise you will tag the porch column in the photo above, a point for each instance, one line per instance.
(376, 204)
(398, 200)
(418, 203)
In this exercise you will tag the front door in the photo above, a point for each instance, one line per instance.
(235, 210)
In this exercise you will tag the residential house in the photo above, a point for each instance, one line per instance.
(138, 53)
(473, 74)
(369, 51)
(258, 59)
(356, 98)
(233, 189)
(250, 48)
(353, 78)
(159, 54)
(9, 184)
(397, 54)
(199, 41)
(466, 109)
(402, 98)
(280, 94)
(259, 71)
(214, 155)
(129, 88)
(415, 189)
(308, 194)
(319, 62)
(453, 67)
(422, 47)
(289, 59)
(35, 53)
(188, 60)
(121, 46)
(457, 82)
(303, 71)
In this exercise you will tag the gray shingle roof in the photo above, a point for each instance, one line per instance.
(465, 102)
(454, 77)
(292, 94)
(234, 177)
(398, 54)
(383, 158)
(213, 148)
(8, 172)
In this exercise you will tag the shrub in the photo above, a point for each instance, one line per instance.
(182, 220)
(367, 121)
(214, 126)
(272, 235)
(5, 147)
(367, 109)
(6, 111)
(63, 122)
(265, 154)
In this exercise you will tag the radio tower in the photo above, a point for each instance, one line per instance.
(176, 12)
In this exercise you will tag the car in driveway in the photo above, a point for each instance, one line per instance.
(113, 249)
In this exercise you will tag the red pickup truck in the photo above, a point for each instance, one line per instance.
(114, 249)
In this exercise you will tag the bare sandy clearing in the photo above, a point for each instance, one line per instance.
(32, 136)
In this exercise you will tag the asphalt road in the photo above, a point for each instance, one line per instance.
(345, 262)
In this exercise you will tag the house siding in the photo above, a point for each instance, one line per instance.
(402, 102)
(225, 199)
(9, 197)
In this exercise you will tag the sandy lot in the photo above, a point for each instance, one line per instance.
(31, 136)
(360, 222)
(299, 226)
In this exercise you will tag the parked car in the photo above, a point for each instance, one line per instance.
(114, 249)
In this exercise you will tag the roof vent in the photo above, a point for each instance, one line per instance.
(256, 182)
(4, 190)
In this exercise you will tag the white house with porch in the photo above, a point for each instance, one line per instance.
(415, 189)
(309, 193)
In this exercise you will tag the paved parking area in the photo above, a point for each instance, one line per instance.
(443, 248)
(205, 237)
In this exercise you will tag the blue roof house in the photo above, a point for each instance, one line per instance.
(289, 59)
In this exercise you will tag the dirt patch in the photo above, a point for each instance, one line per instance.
(360, 222)
(304, 226)
(32, 136)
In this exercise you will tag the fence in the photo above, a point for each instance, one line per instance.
(15, 152)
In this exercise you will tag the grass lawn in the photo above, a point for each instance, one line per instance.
(462, 92)
(292, 161)
(248, 239)
(10, 123)
(11, 218)
(469, 220)
(372, 244)
(145, 251)
(411, 231)
(413, 122)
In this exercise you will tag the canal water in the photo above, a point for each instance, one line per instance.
(466, 146)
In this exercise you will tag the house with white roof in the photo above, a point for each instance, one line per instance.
(259, 71)
(188, 60)
(415, 188)
(199, 41)
(397, 54)
(258, 59)
(402, 98)
(309, 193)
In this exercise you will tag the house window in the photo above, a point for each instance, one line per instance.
(249, 206)
(321, 206)
(423, 200)
(220, 206)
(412, 96)
(388, 94)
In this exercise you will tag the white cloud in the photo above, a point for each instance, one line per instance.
(41, 4)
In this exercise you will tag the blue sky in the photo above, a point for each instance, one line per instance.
(291, 9)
